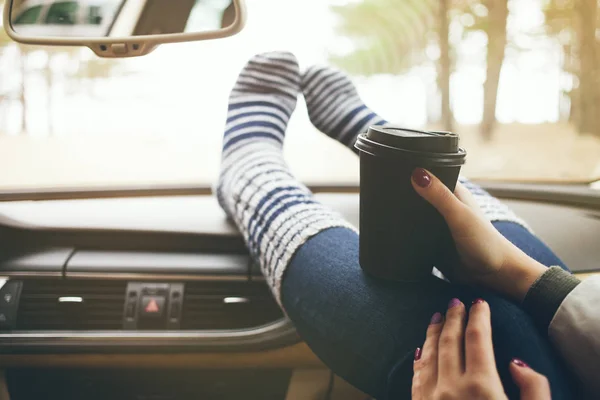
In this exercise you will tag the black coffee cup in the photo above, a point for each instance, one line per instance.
(402, 237)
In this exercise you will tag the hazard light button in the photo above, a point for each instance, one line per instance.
(152, 306)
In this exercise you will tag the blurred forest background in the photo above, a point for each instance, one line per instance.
(24, 66)
(394, 36)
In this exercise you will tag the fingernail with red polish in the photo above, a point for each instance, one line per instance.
(478, 301)
(520, 363)
(437, 318)
(421, 177)
(453, 303)
(418, 354)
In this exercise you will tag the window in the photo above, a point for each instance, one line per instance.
(62, 13)
(207, 15)
(94, 16)
(29, 16)
(81, 121)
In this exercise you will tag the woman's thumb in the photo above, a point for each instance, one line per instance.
(533, 386)
(436, 193)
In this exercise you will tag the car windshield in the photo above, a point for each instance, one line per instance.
(517, 81)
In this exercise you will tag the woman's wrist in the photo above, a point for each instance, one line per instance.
(516, 276)
(523, 275)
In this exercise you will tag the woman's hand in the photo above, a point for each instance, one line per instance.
(458, 363)
(488, 258)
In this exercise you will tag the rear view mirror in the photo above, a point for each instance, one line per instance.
(121, 28)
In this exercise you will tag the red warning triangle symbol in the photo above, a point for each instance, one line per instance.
(152, 307)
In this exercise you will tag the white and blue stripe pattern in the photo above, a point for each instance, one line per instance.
(275, 213)
(336, 109)
(334, 106)
(491, 207)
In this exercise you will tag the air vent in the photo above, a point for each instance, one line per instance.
(57, 305)
(71, 305)
(228, 305)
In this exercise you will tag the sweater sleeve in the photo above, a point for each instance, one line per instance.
(575, 332)
(546, 295)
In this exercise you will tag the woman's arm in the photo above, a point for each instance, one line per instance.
(575, 331)
(567, 309)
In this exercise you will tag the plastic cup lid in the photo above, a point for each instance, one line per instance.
(414, 140)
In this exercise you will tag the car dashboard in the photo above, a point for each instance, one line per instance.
(144, 291)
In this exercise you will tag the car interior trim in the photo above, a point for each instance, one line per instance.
(153, 263)
(277, 334)
(581, 191)
(31, 274)
(567, 194)
(145, 43)
(120, 276)
(293, 356)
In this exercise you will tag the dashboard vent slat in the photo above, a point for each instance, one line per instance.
(204, 306)
(101, 309)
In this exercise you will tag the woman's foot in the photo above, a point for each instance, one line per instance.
(275, 213)
(334, 106)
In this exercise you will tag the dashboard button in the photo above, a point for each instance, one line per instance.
(152, 306)
(130, 313)
(6, 321)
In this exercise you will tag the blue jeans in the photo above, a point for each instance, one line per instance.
(366, 329)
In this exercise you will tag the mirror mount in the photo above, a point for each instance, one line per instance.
(132, 45)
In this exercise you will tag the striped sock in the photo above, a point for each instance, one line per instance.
(336, 109)
(274, 212)
(334, 106)
(491, 207)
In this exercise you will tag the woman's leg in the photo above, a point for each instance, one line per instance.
(361, 327)
(367, 329)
